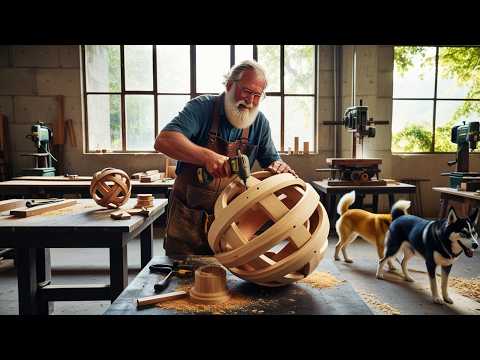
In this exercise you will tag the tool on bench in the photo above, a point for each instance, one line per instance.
(239, 165)
(177, 268)
(33, 203)
(122, 214)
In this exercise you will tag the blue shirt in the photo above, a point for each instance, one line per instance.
(195, 120)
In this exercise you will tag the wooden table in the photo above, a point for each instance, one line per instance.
(461, 201)
(84, 225)
(329, 195)
(297, 298)
(26, 187)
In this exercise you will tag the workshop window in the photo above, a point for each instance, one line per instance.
(434, 88)
(132, 91)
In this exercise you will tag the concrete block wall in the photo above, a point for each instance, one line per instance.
(30, 79)
(32, 76)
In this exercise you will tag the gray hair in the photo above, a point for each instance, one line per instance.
(236, 72)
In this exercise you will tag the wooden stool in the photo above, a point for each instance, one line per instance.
(416, 199)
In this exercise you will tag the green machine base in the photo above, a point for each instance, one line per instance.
(49, 171)
(456, 178)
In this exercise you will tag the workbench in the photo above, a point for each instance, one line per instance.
(297, 298)
(330, 195)
(83, 225)
(461, 201)
(27, 186)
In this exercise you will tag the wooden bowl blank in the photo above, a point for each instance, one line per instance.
(273, 233)
(210, 285)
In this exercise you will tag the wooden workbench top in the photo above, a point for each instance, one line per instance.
(297, 298)
(76, 183)
(452, 191)
(86, 215)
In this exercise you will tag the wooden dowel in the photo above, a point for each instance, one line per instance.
(155, 299)
(305, 147)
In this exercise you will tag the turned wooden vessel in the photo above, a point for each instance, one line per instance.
(210, 285)
(273, 233)
(110, 187)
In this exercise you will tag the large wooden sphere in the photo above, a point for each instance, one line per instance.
(285, 252)
(110, 187)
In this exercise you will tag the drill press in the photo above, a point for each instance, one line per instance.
(466, 136)
(354, 170)
(41, 136)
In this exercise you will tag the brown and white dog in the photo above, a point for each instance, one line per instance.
(357, 222)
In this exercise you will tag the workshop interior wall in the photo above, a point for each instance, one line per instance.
(32, 76)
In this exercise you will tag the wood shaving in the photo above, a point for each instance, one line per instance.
(236, 302)
(320, 280)
(371, 299)
(469, 288)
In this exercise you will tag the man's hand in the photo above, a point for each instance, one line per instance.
(217, 165)
(279, 167)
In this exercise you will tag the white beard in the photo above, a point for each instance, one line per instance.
(239, 117)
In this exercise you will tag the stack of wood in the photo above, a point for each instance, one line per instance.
(144, 201)
(148, 176)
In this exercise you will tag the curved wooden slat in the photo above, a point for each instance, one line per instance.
(297, 216)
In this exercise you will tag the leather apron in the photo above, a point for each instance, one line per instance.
(191, 204)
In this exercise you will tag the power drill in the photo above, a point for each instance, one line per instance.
(239, 165)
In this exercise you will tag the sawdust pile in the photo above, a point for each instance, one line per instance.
(371, 299)
(236, 302)
(467, 287)
(321, 280)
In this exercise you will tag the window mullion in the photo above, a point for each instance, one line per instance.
(85, 105)
(193, 71)
(155, 91)
(122, 102)
(432, 149)
(282, 99)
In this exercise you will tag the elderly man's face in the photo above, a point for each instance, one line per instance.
(249, 89)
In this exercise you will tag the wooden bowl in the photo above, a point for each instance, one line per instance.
(210, 285)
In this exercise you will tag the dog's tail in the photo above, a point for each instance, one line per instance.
(400, 208)
(345, 202)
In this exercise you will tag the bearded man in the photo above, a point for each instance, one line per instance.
(208, 131)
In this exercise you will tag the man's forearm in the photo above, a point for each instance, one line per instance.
(179, 147)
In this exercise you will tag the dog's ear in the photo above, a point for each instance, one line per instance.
(474, 216)
(452, 216)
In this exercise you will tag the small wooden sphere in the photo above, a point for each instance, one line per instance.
(210, 285)
(272, 233)
(110, 187)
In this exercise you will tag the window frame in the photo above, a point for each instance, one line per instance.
(193, 93)
(435, 98)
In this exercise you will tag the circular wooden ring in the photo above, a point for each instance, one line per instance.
(210, 285)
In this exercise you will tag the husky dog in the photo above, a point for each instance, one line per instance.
(357, 222)
(439, 242)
